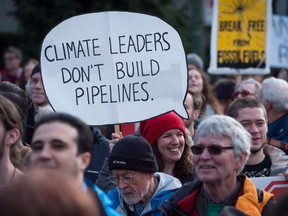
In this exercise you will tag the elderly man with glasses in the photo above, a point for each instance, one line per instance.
(221, 149)
(140, 189)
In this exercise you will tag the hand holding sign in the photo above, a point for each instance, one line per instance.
(114, 67)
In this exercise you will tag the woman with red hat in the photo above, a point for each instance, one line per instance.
(167, 135)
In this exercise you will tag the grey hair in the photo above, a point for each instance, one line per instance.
(257, 85)
(276, 91)
(226, 127)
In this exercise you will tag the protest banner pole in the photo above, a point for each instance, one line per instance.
(117, 129)
(238, 77)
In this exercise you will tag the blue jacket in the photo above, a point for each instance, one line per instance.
(167, 185)
(106, 202)
(279, 129)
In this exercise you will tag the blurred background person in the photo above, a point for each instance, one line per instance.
(199, 83)
(258, 77)
(193, 104)
(224, 89)
(194, 61)
(281, 207)
(12, 70)
(20, 99)
(10, 134)
(274, 96)
(25, 77)
(248, 88)
(47, 193)
(38, 101)
(282, 74)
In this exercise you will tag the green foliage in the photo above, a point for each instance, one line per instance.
(37, 17)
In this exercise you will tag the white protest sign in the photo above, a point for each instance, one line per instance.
(279, 42)
(114, 67)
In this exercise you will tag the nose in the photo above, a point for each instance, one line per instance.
(121, 184)
(253, 129)
(45, 154)
(39, 85)
(205, 154)
(192, 78)
(238, 96)
(175, 139)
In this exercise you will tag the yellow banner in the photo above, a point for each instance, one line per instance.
(241, 34)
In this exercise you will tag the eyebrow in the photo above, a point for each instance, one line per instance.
(50, 141)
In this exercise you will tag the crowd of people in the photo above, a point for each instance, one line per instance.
(54, 164)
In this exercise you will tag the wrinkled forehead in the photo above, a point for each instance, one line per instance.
(211, 139)
(122, 172)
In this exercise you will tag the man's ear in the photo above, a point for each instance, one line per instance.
(85, 160)
(12, 136)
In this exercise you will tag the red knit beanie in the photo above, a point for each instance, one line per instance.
(153, 128)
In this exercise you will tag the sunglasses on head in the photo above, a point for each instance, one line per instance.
(243, 93)
(213, 149)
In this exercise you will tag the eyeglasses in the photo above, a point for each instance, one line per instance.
(213, 149)
(243, 93)
(127, 179)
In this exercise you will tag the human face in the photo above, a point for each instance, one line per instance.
(54, 146)
(283, 74)
(171, 145)
(37, 90)
(12, 62)
(247, 90)
(216, 169)
(253, 120)
(28, 70)
(140, 188)
(195, 81)
(188, 104)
